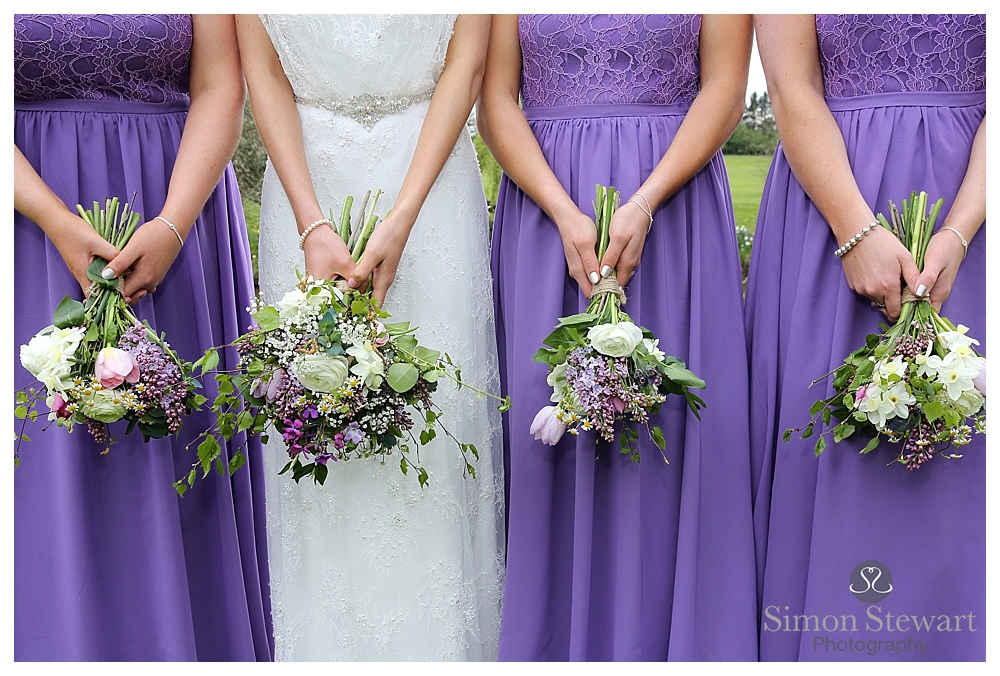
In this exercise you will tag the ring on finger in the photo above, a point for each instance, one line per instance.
(879, 305)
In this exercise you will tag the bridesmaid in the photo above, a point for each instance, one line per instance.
(608, 559)
(109, 564)
(904, 109)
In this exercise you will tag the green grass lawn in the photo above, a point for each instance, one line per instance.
(746, 180)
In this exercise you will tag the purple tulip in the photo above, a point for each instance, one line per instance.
(277, 380)
(618, 404)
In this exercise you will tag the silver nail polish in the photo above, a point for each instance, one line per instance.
(108, 273)
(594, 278)
(921, 289)
(606, 271)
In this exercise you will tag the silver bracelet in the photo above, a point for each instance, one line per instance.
(172, 227)
(965, 244)
(305, 233)
(648, 211)
(839, 253)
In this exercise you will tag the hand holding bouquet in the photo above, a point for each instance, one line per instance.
(99, 364)
(603, 368)
(920, 382)
(327, 374)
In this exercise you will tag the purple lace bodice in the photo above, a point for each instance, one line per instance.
(581, 59)
(879, 53)
(113, 57)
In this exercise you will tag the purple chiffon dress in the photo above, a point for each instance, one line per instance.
(908, 93)
(109, 564)
(608, 559)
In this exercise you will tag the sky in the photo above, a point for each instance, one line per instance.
(755, 83)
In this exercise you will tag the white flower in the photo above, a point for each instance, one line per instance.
(369, 366)
(967, 355)
(873, 406)
(953, 339)
(928, 364)
(104, 406)
(955, 376)
(969, 403)
(320, 297)
(899, 399)
(652, 348)
(557, 381)
(891, 368)
(320, 372)
(615, 340)
(49, 356)
(291, 304)
(547, 427)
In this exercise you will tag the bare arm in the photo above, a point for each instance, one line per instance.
(78, 243)
(211, 132)
(508, 136)
(455, 94)
(968, 213)
(815, 150)
(280, 128)
(724, 55)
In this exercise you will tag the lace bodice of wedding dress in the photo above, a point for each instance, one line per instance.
(370, 566)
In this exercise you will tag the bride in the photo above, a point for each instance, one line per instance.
(370, 566)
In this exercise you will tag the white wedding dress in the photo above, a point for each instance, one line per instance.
(370, 566)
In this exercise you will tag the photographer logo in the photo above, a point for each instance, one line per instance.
(870, 581)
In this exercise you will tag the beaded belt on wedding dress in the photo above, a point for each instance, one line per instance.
(368, 109)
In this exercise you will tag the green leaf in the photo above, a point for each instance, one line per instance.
(209, 360)
(842, 431)
(504, 405)
(871, 444)
(403, 464)
(267, 318)
(180, 488)
(786, 435)
(319, 473)
(933, 410)
(820, 445)
(816, 407)
(433, 375)
(422, 476)
(399, 328)
(219, 467)
(426, 435)
(658, 438)
(402, 376)
(826, 416)
(578, 319)
(807, 432)
(68, 313)
(427, 355)
(359, 306)
(21, 412)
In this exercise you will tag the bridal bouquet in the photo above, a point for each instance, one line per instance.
(331, 378)
(99, 364)
(919, 382)
(603, 368)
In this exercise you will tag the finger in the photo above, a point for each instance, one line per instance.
(610, 261)
(915, 280)
(628, 262)
(589, 262)
(117, 265)
(924, 282)
(364, 269)
(104, 249)
(893, 302)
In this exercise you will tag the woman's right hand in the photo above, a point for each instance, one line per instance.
(327, 257)
(875, 268)
(78, 244)
(579, 236)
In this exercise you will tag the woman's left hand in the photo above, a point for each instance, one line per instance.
(145, 260)
(381, 257)
(941, 261)
(628, 230)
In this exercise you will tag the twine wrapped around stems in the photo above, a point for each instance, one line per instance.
(910, 297)
(94, 286)
(609, 286)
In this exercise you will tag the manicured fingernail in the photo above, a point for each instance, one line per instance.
(606, 271)
(108, 273)
(352, 283)
(921, 289)
(594, 278)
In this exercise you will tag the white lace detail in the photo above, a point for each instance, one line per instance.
(369, 566)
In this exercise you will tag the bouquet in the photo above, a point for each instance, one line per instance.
(919, 382)
(99, 364)
(603, 368)
(322, 369)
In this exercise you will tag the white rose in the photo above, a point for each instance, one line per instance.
(104, 406)
(320, 297)
(969, 403)
(615, 340)
(35, 355)
(291, 304)
(320, 372)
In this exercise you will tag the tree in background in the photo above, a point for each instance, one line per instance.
(756, 134)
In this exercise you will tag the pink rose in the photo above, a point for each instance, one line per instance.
(381, 335)
(114, 367)
(547, 427)
(58, 406)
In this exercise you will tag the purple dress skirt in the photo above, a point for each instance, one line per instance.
(109, 564)
(908, 94)
(608, 559)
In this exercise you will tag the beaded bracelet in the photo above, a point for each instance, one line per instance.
(839, 253)
(965, 244)
(305, 233)
(172, 227)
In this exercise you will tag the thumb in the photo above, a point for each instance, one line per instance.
(920, 283)
(119, 262)
(363, 270)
